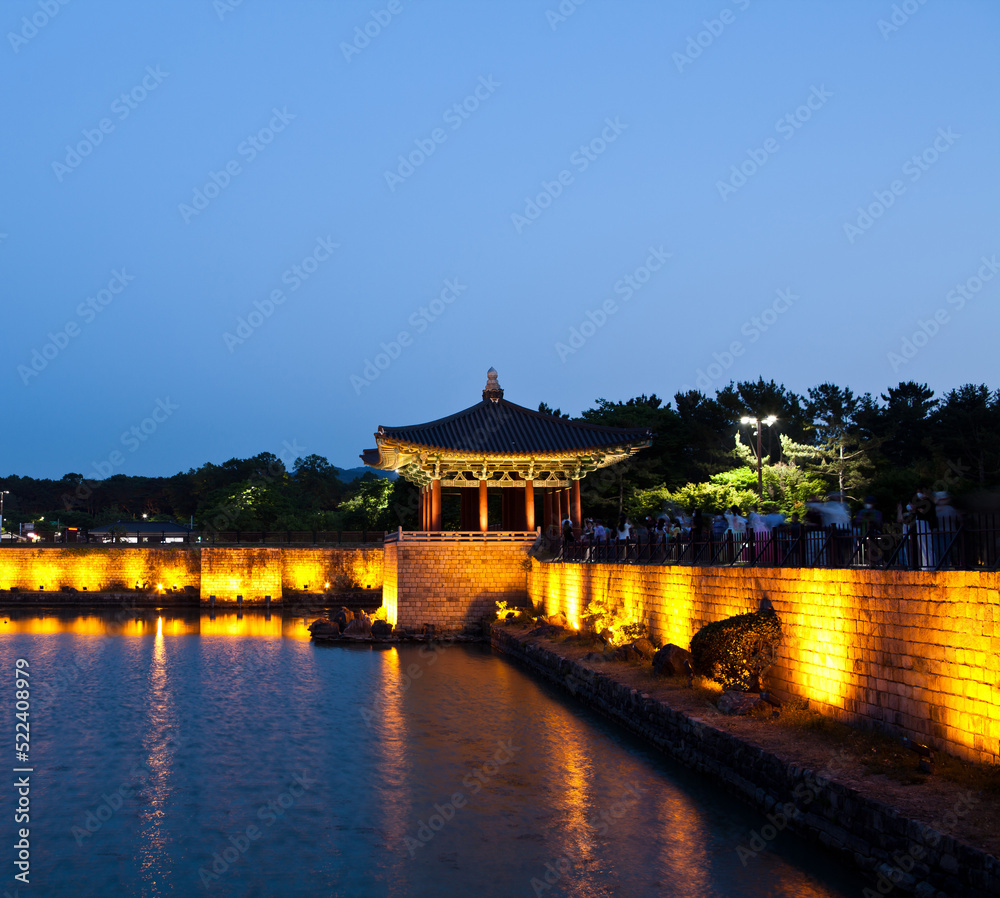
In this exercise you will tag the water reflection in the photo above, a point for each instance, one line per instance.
(197, 729)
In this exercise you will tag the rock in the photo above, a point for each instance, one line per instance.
(381, 628)
(645, 648)
(627, 653)
(359, 628)
(324, 628)
(738, 703)
(594, 656)
(606, 636)
(669, 661)
(343, 618)
(558, 619)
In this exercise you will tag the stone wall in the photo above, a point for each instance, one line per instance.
(98, 570)
(225, 573)
(913, 653)
(451, 583)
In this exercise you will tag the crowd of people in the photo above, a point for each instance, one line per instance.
(924, 526)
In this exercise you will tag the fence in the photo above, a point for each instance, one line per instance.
(211, 538)
(970, 544)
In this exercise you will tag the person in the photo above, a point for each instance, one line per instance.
(869, 518)
(736, 531)
(948, 522)
(924, 522)
(624, 535)
(868, 521)
(697, 527)
(568, 538)
(761, 537)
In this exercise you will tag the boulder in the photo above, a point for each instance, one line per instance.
(381, 628)
(645, 648)
(558, 619)
(598, 657)
(324, 628)
(547, 630)
(627, 653)
(343, 618)
(359, 628)
(738, 703)
(669, 661)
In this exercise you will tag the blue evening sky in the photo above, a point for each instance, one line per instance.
(186, 157)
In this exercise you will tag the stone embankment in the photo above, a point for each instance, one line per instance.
(899, 853)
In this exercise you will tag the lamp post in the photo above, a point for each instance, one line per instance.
(2, 494)
(769, 420)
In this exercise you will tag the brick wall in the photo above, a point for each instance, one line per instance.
(450, 584)
(98, 570)
(225, 573)
(914, 653)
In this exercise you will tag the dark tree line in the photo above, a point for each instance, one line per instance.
(829, 439)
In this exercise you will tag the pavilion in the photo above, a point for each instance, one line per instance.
(496, 444)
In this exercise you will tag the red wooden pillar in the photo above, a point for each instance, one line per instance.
(435, 504)
(529, 505)
(577, 514)
(484, 513)
(420, 509)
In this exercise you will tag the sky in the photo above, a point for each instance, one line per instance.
(231, 227)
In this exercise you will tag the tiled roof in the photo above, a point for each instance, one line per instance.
(499, 426)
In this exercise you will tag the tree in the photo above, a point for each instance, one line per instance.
(839, 452)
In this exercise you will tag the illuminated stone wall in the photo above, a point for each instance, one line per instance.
(225, 573)
(913, 653)
(98, 570)
(310, 570)
(450, 584)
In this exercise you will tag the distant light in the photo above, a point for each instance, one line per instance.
(159, 586)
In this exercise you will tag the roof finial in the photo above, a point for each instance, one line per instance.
(492, 390)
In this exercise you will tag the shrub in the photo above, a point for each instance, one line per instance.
(737, 651)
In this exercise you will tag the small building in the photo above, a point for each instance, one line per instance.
(142, 532)
(533, 458)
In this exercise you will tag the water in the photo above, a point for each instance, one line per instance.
(178, 755)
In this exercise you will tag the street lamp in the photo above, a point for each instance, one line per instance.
(769, 420)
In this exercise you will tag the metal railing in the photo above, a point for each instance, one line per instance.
(457, 536)
(125, 538)
(969, 544)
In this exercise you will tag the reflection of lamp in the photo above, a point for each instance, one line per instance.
(769, 420)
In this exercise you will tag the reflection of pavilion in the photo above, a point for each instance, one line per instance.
(497, 444)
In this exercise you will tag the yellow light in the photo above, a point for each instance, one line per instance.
(159, 586)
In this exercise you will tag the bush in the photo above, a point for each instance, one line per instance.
(737, 651)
